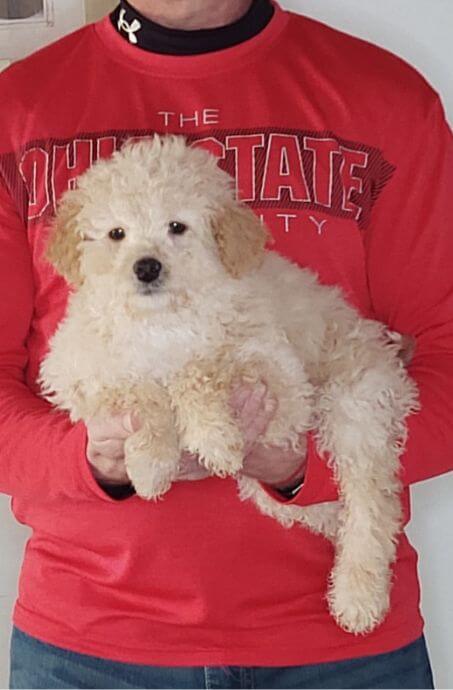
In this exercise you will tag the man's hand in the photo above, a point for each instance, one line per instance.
(407, 345)
(105, 448)
(254, 409)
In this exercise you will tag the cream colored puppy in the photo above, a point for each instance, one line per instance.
(176, 300)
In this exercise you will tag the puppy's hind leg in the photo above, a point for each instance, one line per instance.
(362, 427)
(369, 521)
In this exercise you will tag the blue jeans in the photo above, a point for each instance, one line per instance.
(35, 664)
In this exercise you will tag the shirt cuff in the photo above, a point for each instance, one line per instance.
(318, 485)
(118, 491)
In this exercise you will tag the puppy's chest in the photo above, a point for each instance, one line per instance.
(160, 351)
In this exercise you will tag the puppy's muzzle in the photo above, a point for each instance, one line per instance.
(147, 269)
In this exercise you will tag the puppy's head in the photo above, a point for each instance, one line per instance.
(159, 219)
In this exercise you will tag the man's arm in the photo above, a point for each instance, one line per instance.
(409, 251)
(409, 255)
(41, 452)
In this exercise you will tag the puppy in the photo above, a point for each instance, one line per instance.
(175, 301)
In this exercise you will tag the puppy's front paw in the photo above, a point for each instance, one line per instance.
(220, 449)
(151, 470)
(358, 599)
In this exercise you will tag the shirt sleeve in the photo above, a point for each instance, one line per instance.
(409, 255)
(41, 452)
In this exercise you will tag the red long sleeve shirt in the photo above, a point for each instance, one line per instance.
(345, 152)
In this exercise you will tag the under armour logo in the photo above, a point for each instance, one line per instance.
(129, 28)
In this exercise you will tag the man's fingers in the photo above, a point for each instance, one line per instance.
(118, 426)
(245, 398)
(407, 344)
(194, 474)
(108, 470)
(258, 408)
(256, 416)
(253, 408)
(190, 468)
(110, 448)
(239, 395)
(407, 350)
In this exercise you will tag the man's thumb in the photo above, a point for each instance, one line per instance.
(132, 421)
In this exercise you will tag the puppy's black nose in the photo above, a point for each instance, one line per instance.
(147, 269)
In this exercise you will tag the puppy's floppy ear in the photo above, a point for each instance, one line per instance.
(62, 249)
(241, 239)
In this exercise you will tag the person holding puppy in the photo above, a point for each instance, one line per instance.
(345, 153)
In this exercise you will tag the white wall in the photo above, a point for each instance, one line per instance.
(98, 8)
(18, 39)
(421, 32)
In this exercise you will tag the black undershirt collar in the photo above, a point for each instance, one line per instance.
(149, 35)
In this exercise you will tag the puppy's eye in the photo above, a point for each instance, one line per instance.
(177, 228)
(117, 234)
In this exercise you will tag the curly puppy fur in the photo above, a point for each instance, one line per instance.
(171, 348)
